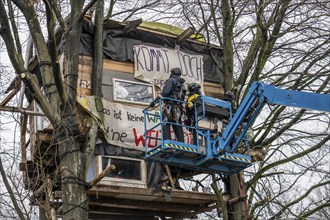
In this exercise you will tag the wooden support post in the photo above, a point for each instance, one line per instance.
(169, 176)
(23, 137)
(242, 193)
(23, 147)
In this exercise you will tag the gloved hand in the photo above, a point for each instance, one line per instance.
(153, 103)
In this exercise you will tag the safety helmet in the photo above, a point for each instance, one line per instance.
(176, 71)
(193, 86)
(230, 94)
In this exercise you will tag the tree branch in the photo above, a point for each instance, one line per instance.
(14, 27)
(286, 160)
(109, 14)
(10, 191)
(227, 34)
(268, 44)
(313, 211)
(30, 80)
(284, 128)
(280, 212)
(53, 50)
(87, 7)
(53, 6)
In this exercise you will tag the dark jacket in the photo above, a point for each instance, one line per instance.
(173, 88)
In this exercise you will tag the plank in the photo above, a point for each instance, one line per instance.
(178, 196)
(126, 67)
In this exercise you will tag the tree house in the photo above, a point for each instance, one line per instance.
(137, 61)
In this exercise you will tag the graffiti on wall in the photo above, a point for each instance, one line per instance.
(123, 125)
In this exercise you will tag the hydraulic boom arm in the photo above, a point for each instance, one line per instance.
(259, 94)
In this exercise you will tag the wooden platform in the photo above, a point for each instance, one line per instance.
(116, 202)
(120, 202)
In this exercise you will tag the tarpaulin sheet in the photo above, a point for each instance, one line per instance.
(118, 45)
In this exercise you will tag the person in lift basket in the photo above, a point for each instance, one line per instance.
(173, 88)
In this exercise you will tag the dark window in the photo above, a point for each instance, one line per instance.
(125, 169)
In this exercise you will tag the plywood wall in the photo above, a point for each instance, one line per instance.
(127, 70)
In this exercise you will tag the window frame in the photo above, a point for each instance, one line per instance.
(114, 80)
(122, 181)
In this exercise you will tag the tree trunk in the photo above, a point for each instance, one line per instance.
(237, 210)
(74, 188)
(98, 50)
(72, 158)
(228, 57)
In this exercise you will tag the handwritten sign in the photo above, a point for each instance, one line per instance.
(153, 65)
(123, 125)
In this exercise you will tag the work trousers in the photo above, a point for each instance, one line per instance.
(172, 113)
(178, 131)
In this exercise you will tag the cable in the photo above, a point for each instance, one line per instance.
(75, 206)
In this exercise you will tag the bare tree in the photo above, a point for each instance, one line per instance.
(57, 98)
(273, 41)
(276, 42)
(13, 197)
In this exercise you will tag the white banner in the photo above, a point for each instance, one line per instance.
(123, 125)
(153, 65)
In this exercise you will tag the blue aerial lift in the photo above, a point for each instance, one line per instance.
(229, 151)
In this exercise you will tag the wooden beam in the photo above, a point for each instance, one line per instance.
(140, 204)
(107, 206)
(20, 110)
(184, 35)
(23, 136)
(99, 177)
(187, 197)
(132, 25)
(129, 212)
(119, 217)
(170, 178)
(8, 97)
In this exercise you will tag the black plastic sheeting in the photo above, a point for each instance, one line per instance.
(108, 149)
(118, 46)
